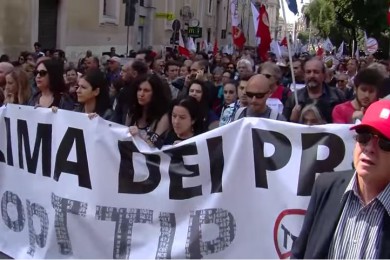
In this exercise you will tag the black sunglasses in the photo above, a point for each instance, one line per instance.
(268, 76)
(41, 73)
(364, 138)
(257, 95)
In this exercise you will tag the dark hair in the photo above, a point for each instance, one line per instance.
(369, 76)
(159, 103)
(4, 58)
(232, 82)
(171, 63)
(149, 57)
(97, 80)
(1, 97)
(55, 69)
(204, 101)
(193, 108)
(323, 68)
(118, 84)
(140, 67)
(230, 73)
(37, 44)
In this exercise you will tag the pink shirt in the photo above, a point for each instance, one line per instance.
(342, 113)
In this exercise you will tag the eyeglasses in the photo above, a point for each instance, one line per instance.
(268, 76)
(41, 73)
(364, 139)
(257, 95)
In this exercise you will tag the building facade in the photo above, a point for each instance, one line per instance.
(76, 26)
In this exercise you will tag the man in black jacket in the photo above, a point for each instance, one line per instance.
(349, 212)
(316, 89)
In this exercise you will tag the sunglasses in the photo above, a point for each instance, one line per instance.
(41, 73)
(257, 95)
(268, 76)
(364, 139)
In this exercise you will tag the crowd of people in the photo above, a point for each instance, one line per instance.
(170, 98)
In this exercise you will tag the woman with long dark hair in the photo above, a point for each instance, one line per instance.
(148, 109)
(92, 94)
(200, 92)
(185, 120)
(51, 86)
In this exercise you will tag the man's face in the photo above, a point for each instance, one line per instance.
(125, 72)
(352, 65)
(241, 93)
(372, 164)
(342, 81)
(314, 74)
(194, 69)
(113, 65)
(140, 57)
(56, 55)
(257, 91)
(172, 72)
(366, 94)
(242, 69)
(298, 72)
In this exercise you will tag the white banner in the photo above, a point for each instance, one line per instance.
(71, 187)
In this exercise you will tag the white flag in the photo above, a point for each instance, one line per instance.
(328, 46)
(275, 48)
(357, 54)
(255, 17)
(340, 50)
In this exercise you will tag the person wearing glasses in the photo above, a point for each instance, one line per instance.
(259, 88)
(348, 214)
(367, 88)
(342, 84)
(51, 86)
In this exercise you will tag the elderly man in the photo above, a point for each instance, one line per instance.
(349, 212)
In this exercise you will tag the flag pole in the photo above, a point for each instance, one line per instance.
(289, 52)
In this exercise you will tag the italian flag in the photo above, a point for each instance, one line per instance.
(182, 48)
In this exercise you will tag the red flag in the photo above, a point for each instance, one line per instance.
(284, 42)
(264, 33)
(238, 36)
(182, 48)
(320, 51)
(215, 49)
(388, 15)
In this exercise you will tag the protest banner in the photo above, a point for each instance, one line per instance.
(71, 187)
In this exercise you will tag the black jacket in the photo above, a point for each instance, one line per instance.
(323, 215)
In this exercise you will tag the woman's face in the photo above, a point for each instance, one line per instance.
(11, 85)
(181, 121)
(309, 118)
(229, 93)
(71, 77)
(42, 77)
(21, 60)
(196, 92)
(144, 93)
(85, 93)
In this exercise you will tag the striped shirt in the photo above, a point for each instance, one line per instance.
(359, 229)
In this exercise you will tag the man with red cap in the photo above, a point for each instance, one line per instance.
(349, 212)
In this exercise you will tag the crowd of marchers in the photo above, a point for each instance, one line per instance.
(168, 98)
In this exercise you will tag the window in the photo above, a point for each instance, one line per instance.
(210, 7)
(109, 11)
(141, 2)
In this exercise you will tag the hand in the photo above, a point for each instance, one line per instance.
(200, 75)
(92, 115)
(296, 113)
(187, 80)
(358, 114)
(133, 130)
(54, 109)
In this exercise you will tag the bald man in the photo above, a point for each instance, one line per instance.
(257, 92)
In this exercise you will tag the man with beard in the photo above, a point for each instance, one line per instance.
(367, 85)
(316, 89)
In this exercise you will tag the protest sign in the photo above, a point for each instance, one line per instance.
(71, 187)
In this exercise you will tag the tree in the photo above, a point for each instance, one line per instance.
(303, 37)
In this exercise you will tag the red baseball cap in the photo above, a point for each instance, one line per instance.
(377, 117)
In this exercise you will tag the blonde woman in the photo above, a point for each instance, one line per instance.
(17, 89)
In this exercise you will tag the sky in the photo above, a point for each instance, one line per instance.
(289, 15)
